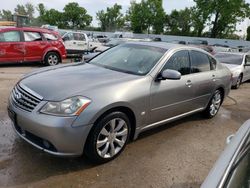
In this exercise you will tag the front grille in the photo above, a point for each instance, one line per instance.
(23, 99)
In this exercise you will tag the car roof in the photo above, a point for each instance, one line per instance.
(168, 46)
(34, 29)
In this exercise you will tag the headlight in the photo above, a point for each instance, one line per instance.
(69, 107)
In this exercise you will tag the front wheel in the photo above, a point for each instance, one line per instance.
(108, 138)
(52, 58)
(214, 105)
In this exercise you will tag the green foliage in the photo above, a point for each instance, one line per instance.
(248, 33)
(146, 14)
(222, 15)
(111, 19)
(73, 16)
(5, 15)
(179, 22)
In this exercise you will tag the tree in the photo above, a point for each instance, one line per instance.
(20, 9)
(146, 15)
(75, 16)
(223, 14)
(111, 19)
(29, 10)
(248, 33)
(179, 22)
(6, 15)
(157, 14)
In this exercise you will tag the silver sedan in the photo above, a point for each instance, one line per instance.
(239, 65)
(97, 107)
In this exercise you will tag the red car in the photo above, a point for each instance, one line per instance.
(31, 45)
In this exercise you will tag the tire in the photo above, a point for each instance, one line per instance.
(213, 105)
(52, 58)
(238, 83)
(112, 131)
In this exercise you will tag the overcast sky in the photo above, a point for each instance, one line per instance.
(92, 6)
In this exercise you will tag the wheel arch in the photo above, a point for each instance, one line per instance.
(55, 51)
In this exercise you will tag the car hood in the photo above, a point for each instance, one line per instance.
(60, 82)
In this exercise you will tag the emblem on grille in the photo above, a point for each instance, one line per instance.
(18, 96)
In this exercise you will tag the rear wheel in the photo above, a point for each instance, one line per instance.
(214, 105)
(108, 138)
(238, 83)
(52, 58)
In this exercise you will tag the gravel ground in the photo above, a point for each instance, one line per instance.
(178, 154)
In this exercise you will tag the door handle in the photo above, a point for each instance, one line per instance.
(213, 77)
(189, 83)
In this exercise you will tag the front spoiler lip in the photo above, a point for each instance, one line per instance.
(45, 150)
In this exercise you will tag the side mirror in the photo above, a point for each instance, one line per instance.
(169, 74)
(65, 38)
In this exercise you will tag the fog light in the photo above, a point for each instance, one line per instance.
(46, 144)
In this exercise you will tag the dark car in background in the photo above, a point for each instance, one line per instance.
(31, 45)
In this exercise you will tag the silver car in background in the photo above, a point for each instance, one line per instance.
(232, 169)
(239, 65)
(97, 107)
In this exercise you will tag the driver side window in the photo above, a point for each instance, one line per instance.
(179, 62)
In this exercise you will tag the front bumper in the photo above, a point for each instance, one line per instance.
(52, 134)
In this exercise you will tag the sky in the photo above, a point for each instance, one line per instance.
(92, 6)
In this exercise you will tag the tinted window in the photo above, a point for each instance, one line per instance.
(179, 62)
(79, 36)
(10, 36)
(228, 58)
(50, 36)
(130, 58)
(32, 36)
(247, 60)
(200, 62)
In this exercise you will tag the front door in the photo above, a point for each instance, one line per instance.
(171, 98)
(11, 47)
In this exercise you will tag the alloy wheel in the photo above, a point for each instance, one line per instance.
(112, 138)
(215, 104)
(53, 59)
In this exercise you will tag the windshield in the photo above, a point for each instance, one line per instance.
(130, 58)
(230, 58)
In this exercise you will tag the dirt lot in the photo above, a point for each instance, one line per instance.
(176, 155)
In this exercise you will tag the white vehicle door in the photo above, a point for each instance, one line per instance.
(247, 68)
(69, 42)
(80, 42)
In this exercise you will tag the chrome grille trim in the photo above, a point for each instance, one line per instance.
(23, 99)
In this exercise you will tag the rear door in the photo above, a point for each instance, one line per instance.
(204, 77)
(11, 47)
(34, 46)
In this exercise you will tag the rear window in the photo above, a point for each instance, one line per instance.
(50, 36)
(10, 36)
(227, 58)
